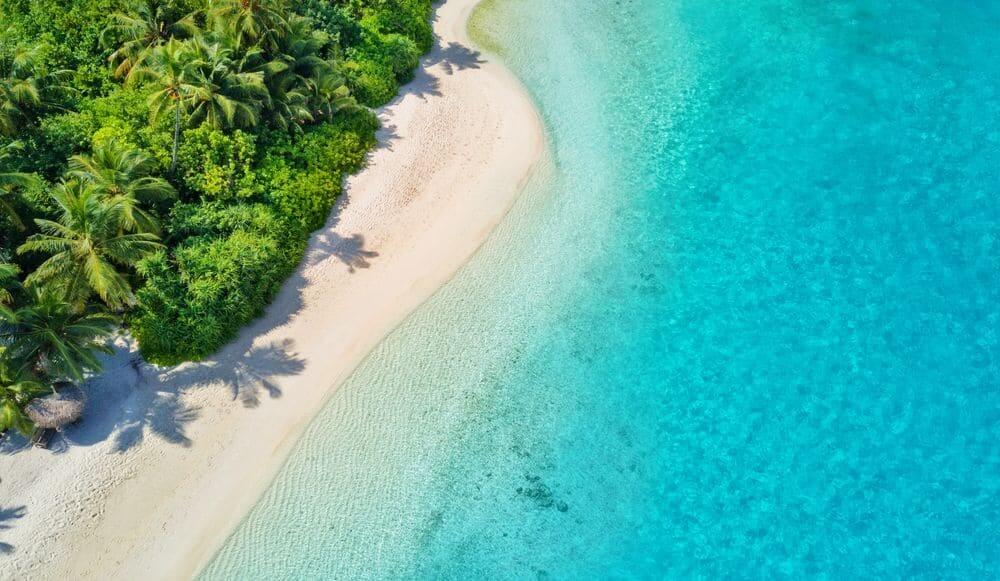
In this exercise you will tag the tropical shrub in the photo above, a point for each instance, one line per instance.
(16, 391)
(198, 299)
(303, 198)
(219, 219)
(410, 18)
(334, 20)
(216, 165)
(402, 55)
(303, 177)
(371, 81)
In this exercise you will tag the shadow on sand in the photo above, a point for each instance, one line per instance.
(452, 57)
(6, 516)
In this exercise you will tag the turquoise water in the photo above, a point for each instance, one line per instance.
(744, 323)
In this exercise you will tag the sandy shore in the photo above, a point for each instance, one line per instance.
(168, 461)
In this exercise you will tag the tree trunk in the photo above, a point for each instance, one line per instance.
(177, 136)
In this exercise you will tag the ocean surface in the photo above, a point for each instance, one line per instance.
(743, 324)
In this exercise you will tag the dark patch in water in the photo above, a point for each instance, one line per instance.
(541, 494)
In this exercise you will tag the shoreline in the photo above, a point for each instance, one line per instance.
(153, 482)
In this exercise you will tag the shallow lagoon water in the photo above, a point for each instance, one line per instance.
(743, 323)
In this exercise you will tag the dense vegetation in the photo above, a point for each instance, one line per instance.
(162, 163)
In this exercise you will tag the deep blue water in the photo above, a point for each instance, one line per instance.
(746, 326)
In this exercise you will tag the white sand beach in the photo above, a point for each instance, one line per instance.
(168, 461)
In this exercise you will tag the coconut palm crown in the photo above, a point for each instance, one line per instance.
(89, 247)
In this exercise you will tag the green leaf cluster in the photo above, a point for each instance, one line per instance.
(215, 165)
(221, 276)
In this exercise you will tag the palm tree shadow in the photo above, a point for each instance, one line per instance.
(247, 371)
(248, 375)
(423, 85)
(149, 401)
(7, 515)
(386, 135)
(166, 416)
(350, 250)
(455, 57)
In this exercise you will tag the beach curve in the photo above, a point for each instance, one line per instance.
(168, 461)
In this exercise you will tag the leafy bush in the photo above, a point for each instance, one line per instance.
(304, 198)
(197, 300)
(334, 20)
(339, 145)
(303, 178)
(402, 55)
(394, 33)
(73, 27)
(372, 83)
(410, 18)
(217, 166)
(62, 135)
(218, 219)
(57, 138)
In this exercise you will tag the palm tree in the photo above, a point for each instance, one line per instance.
(167, 67)
(304, 87)
(328, 94)
(220, 95)
(27, 90)
(251, 22)
(11, 180)
(20, 93)
(88, 245)
(292, 63)
(152, 23)
(117, 171)
(17, 98)
(8, 278)
(16, 391)
(48, 336)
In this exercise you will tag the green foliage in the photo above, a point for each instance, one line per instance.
(336, 21)
(410, 18)
(16, 391)
(304, 178)
(247, 110)
(89, 245)
(197, 299)
(303, 198)
(8, 279)
(372, 82)
(28, 89)
(47, 336)
(120, 115)
(118, 168)
(402, 55)
(73, 27)
(10, 181)
(385, 58)
(340, 145)
(219, 219)
(217, 166)
(148, 24)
